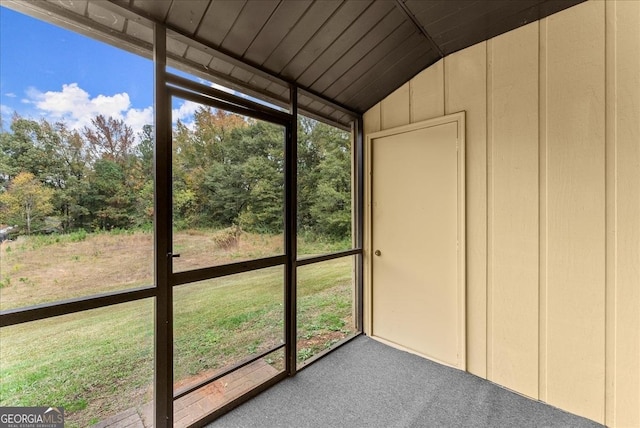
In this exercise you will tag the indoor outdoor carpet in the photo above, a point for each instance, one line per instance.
(368, 384)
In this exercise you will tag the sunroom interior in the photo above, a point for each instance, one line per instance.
(494, 172)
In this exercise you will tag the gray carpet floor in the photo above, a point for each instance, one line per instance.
(368, 384)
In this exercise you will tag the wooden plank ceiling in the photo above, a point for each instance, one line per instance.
(345, 55)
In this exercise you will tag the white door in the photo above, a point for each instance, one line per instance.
(417, 203)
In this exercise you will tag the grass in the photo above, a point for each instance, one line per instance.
(95, 362)
(310, 244)
(100, 362)
(324, 313)
(219, 322)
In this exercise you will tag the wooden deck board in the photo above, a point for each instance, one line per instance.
(199, 403)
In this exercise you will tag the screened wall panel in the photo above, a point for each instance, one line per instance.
(326, 305)
(97, 364)
(228, 187)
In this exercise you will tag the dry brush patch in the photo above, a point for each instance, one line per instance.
(35, 270)
(203, 248)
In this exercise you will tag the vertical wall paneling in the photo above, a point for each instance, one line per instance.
(575, 256)
(426, 93)
(628, 213)
(610, 212)
(513, 210)
(489, 234)
(623, 213)
(553, 203)
(371, 119)
(489, 208)
(542, 211)
(394, 110)
(465, 89)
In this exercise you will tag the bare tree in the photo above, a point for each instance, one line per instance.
(109, 139)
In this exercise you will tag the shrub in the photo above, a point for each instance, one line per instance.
(228, 238)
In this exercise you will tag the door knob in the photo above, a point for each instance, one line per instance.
(377, 253)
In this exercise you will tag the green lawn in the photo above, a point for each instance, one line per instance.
(100, 362)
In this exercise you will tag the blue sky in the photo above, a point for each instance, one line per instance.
(47, 72)
(52, 73)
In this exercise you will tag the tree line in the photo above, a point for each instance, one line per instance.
(228, 170)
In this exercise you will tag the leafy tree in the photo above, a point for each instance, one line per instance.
(144, 154)
(55, 155)
(119, 174)
(144, 151)
(5, 162)
(264, 211)
(110, 202)
(222, 195)
(67, 173)
(227, 170)
(207, 177)
(262, 147)
(247, 187)
(324, 179)
(22, 151)
(309, 158)
(26, 202)
(332, 202)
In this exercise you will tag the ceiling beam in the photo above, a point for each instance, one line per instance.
(405, 10)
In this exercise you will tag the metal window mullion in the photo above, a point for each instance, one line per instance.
(358, 138)
(163, 361)
(291, 245)
(359, 209)
(326, 257)
(230, 99)
(282, 119)
(187, 277)
(71, 306)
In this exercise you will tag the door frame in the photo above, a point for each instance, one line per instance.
(458, 119)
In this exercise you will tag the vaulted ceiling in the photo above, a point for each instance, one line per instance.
(344, 55)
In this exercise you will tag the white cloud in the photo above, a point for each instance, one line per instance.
(136, 118)
(184, 113)
(76, 107)
(10, 95)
